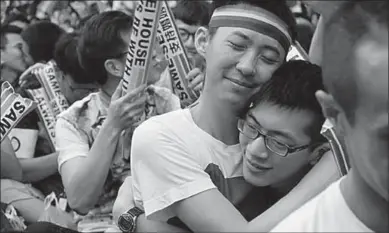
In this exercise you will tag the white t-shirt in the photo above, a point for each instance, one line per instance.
(327, 212)
(173, 159)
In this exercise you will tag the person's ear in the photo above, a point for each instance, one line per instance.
(331, 109)
(202, 39)
(113, 67)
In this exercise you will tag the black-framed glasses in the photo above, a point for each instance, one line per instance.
(185, 34)
(271, 143)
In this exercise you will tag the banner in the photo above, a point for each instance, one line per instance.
(141, 44)
(297, 52)
(174, 51)
(58, 102)
(47, 77)
(340, 156)
(13, 109)
(45, 113)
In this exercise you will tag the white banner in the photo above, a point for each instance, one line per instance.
(45, 113)
(174, 51)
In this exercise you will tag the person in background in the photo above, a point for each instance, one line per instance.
(88, 132)
(355, 59)
(15, 56)
(189, 16)
(74, 82)
(41, 38)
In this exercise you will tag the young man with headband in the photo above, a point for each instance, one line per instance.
(172, 175)
(355, 70)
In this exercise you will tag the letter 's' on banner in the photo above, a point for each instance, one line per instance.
(13, 109)
(174, 51)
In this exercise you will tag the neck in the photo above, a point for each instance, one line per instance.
(215, 117)
(369, 207)
(284, 187)
(110, 86)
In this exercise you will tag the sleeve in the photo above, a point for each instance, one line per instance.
(164, 170)
(70, 142)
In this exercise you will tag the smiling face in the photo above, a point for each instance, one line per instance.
(261, 166)
(239, 60)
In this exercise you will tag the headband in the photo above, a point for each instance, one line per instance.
(258, 20)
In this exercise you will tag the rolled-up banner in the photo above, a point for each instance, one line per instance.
(47, 76)
(174, 51)
(141, 44)
(13, 112)
(45, 113)
(297, 52)
(340, 156)
(57, 100)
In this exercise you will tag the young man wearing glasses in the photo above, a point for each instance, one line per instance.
(189, 16)
(279, 137)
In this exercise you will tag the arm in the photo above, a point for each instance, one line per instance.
(10, 166)
(169, 181)
(321, 175)
(36, 169)
(84, 174)
(125, 202)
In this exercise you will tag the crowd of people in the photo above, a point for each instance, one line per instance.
(247, 156)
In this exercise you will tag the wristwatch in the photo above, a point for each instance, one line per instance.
(127, 221)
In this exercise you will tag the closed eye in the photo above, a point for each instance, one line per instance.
(268, 60)
(236, 46)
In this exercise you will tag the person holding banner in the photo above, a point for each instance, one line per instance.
(88, 132)
(355, 59)
(74, 82)
(189, 16)
(246, 42)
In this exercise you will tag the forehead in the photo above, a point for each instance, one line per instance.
(293, 122)
(13, 38)
(189, 28)
(371, 62)
(253, 37)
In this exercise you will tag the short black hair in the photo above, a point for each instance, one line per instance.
(277, 7)
(293, 87)
(65, 56)
(193, 12)
(100, 39)
(41, 38)
(349, 24)
(6, 29)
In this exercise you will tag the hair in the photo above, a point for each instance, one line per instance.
(349, 24)
(65, 56)
(41, 38)
(293, 87)
(100, 39)
(277, 7)
(7, 29)
(193, 12)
